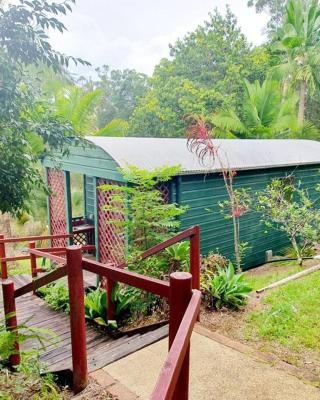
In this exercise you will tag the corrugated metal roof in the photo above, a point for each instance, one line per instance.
(238, 154)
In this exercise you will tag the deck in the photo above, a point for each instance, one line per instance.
(102, 348)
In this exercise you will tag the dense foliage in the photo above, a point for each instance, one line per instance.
(24, 119)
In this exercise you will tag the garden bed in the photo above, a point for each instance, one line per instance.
(283, 321)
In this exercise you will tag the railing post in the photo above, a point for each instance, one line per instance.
(4, 267)
(33, 261)
(77, 318)
(110, 305)
(9, 305)
(179, 297)
(195, 258)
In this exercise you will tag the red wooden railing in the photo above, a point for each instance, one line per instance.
(183, 300)
(31, 240)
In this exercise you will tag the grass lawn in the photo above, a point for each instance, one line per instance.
(23, 267)
(290, 315)
(269, 273)
(283, 321)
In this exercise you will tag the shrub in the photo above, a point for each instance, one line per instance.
(56, 295)
(225, 288)
(308, 251)
(212, 262)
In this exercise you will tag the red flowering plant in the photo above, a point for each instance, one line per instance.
(201, 142)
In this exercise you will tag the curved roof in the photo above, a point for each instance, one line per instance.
(238, 154)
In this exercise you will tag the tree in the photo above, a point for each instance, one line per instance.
(121, 91)
(24, 42)
(289, 209)
(139, 209)
(204, 73)
(266, 113)
(276, 10)
(78, 106)
(299, 39)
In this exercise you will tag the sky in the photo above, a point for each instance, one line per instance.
(136, 33)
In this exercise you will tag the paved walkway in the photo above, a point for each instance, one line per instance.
(217, 372)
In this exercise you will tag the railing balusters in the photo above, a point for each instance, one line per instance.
(195, 258)
(33, 262)
(9, 305)
(77, 318)
(4, 267)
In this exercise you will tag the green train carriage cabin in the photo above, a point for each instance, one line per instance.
(200, 188)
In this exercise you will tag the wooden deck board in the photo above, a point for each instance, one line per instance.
(102, 347)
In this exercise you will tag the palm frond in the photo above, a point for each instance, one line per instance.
(115, 128)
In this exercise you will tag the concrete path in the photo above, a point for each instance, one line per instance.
(217, 372)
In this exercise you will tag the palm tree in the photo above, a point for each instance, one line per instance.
(299, 39)
(266, 114)
(79, 106)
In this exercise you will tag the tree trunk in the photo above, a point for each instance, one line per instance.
(236, 243)
(296, 247)
(302, 101)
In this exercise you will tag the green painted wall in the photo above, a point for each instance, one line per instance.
(87, 160)
(203, 193)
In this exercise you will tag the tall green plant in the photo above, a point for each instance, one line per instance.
(139, 209)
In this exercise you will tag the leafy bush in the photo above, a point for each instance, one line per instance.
(212, 262)
(225, 288)
(56, 295)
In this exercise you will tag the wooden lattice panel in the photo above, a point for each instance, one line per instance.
(111, 240)
(57, 205)
(165, 191)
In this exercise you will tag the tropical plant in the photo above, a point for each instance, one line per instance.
(225, 289)
(178, 257)
(96, 305)
(289, 209)
(115, 128)
(78, 106)
(299, 40)
(267, 113)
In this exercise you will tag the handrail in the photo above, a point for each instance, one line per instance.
(36, 238)
(171, 369)
(42, 281)
(44, 254)
(167, 243)
(153, 285)
(190, 233)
